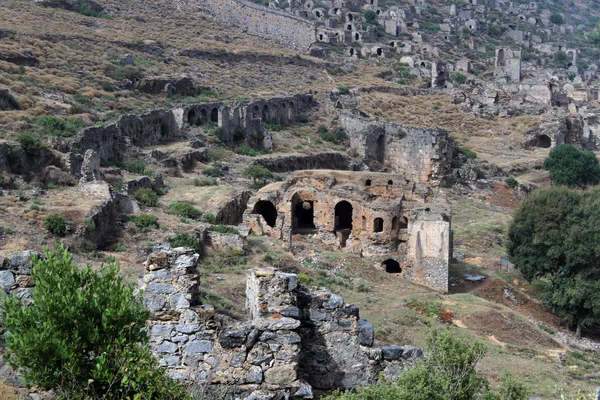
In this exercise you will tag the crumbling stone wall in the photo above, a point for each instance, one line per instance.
(423, 155)
(293, 341)
(296, 162)
(385, 217)
(264, 22)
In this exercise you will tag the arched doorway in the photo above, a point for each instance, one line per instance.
(394, 223)
(343, 215)
(267, 210)
(544, 141)
(403, 223)
(303, 214)
(192, 117)
(391, 266)
(378, 225)
(203, 116)
(214, 115)
(265, 113)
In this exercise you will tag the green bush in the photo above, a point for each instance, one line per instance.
(322, 129)
(89, 223)
(83, 334)
(146, 221)
(431, 27)
(338, 137)
(511, 182)
(557, 18)
(147, 197)
(205, 182)
(245, 150)
(59, 127)
(459, 78)
(135, 167)
(223, 229)
(120, 72)
(257, 173)
(184, 240)
(56, 224)
(30, 143)
(209, 217)
(470, 154)
(303, 119)
(572, 167)
(185, 210)
(214, 172)
(370, 17)
(447, 373)
(343, 90)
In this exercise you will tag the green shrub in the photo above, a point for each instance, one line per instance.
(30, 143)
(459, 78)
(205, 182)
(185, 210)
(431, 27)
(338, 137)
(343, 90)
(511, 182)
(59, 127)
(213, 171)
(120, 72)
(147, 197)
(209, 217)
(83, 334)
(89, 223)
(572, 167)
(135, 167)
(146, 221)
(470, 154)
(56, 224)
(257, 173)
(221, 134)
(557, 18)
(223, 229)
(370, 17)
(303, 119)
(245, 150)
(184, 240)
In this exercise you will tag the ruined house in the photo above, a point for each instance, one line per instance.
(385, 217)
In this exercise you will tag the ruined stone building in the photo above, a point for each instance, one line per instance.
(384, 217)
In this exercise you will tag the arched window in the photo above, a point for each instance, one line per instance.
(368, 182)
(214, 115)
(378, 225)
(343, 215)
(394, 223)
(267, 210)
(191, 117)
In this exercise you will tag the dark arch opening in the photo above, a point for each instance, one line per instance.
(392, 44)
(368, 182)
(380, 151)
(501, 58)
(303, 212)
(343, 215)
(203, 115)
(423, 64)
(364, 223)
(390, 182)
(391, 266)
(378, 12)
(255, 111)
(321, 37)
(191, 117)
(265, 113)
(403, 223)
(214, 115)
(379, 51)
(544, 141)
(349, 27)
(351, 52)
(378, 225)
(356, 36)
(350, 17)
(318, 14)
(267, 210)
(394, 223)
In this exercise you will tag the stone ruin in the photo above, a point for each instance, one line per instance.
(388, 218)
(294, 341)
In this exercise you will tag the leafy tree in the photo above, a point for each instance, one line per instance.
(370, 17)
(257, 173)
(571, 166)
(554, 237)
(30, 143)
(56, 224)
(447, 373)
(594, 36)
(146, 196)
(459, 78)
(83, 335)
(557, 18)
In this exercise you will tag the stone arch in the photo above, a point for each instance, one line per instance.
(255, 112)
(292, 111)
(320, 37)
(380, 150)
(364, 223)
(391, 266)
(394, 223)
(350, 17)
(351, 51)
(378, 225)
(303, 212)
(379, 51)
(343, 215)
(378, 12)
(543, 141)
(349, 27)
(368, 182)
(214, 115)
(203, 115)
(390, 182)
(356, 36)
(192, 117)
(265, 113)
(267, 210)
(501, 58)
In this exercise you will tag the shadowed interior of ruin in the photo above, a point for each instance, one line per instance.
(544, 142)
(378, 225)
(392, 266)
(343, 216)
(303, 216)
(267, 210)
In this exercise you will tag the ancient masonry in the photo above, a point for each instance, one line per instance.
(246, 119)
(294, 340)
(386, 217)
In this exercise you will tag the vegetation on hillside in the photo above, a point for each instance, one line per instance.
(572, 167)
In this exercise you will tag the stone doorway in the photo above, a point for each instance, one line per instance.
(391, 266)
(343, 221)
(267, 210)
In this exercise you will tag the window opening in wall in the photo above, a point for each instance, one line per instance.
(380, 154)
(191, 117)
(321, 37)
(267, 210)
(214, 115)
(544, 141)
(350, 17)
(356, 36)
(203, 115)
(265, 113)
(392, 266)
(349, 27)
(368, 182)
(390, 182)
(378, 225)
(343, 215)
(364, 223)
(379, 51)
(394, 223)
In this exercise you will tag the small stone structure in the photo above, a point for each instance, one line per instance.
(508, 64)
(386, 217)
(294, 340)
(7, 101)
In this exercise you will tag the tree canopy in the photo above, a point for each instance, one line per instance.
(572, 167)
(554, 236)
(83, 335)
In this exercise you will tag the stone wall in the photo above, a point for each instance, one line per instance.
(293, 341)
(296, 162)
(267, 23)
(423, 155)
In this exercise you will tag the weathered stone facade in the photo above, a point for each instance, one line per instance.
(264, 22)
(294, 340)
(386, 217)
(422, 155)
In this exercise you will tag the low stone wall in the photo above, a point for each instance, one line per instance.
(297, 162)
(267, 23)
(294, 340)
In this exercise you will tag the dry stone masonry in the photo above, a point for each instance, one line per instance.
(294, 340)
